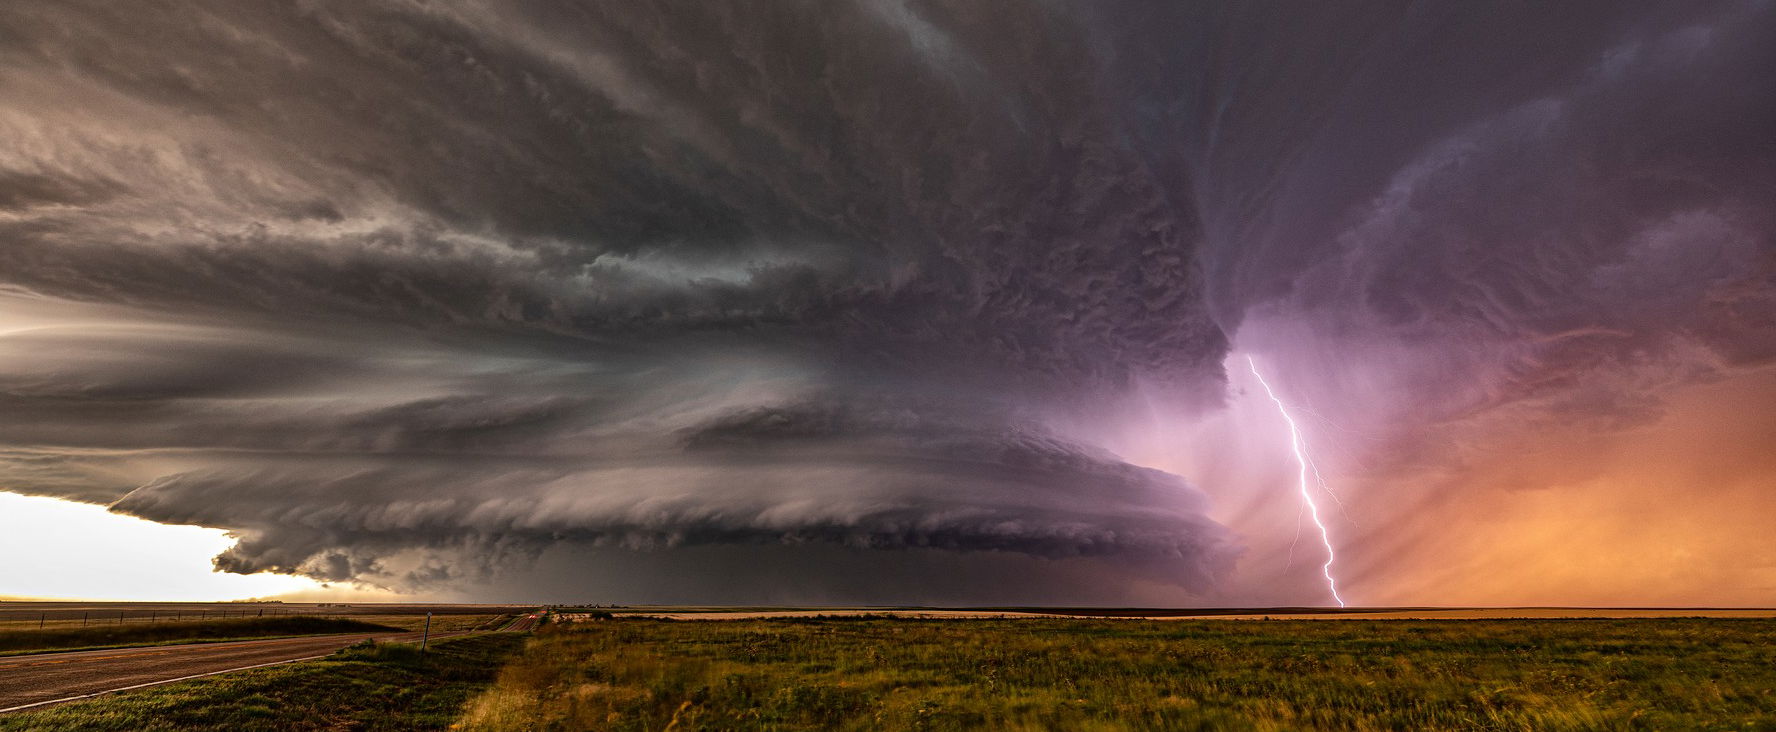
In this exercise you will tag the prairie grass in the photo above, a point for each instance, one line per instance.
(440, 623)
(366, 687)
(1120, 675)
(113, 636)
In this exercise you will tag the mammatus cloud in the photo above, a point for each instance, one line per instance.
(411, 294)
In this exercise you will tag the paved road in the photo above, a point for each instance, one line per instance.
(36, 680)
(524, 623)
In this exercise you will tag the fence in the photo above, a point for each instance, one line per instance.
(21, 618)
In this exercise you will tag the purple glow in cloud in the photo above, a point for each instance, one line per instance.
(1301, 459)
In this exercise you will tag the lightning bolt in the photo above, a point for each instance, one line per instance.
(1301, 459)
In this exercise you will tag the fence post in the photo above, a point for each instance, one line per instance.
(428, 633)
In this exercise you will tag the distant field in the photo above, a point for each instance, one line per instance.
(106, 636)
(25, 615)
(1275, 613)
(31, 626)
(633, 674)
(440, 623)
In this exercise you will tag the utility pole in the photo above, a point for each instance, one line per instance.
(428, 633)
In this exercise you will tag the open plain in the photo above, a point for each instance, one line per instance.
(1424, 613)
(647, 668)
(1043, 673)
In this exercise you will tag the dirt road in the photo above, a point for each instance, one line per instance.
(47, 678)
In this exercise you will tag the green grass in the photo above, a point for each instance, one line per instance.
(1116, 675)
(117, 636)
(384, 687)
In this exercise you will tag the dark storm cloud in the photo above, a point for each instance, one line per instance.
(1029, 496)
(529, 165)
(1550, 235)
(1601, 231)
(408, 466)
(398, 289)
(131, 364)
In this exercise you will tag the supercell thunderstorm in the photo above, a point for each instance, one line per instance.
(854, 302)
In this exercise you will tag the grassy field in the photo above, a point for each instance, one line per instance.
(1114, 675)
(32, 615)
(112, 636)
(404, 622)
(388, 687)
(440, 623)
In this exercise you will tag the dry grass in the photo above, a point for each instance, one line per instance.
(66, 620)
(440, 623)
(1118, 675)
(113, 636)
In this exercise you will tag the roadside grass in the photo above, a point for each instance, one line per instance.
(15, 642)
(441, 623)
(366, 687)
(849, 674)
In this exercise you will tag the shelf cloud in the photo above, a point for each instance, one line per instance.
(412, 294)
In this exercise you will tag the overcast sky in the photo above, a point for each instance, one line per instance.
(904, 301)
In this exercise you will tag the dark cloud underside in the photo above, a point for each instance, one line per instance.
(412, 293)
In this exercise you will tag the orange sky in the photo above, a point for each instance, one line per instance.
(1674, 512)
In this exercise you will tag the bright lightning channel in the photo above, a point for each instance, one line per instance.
(1313, 510)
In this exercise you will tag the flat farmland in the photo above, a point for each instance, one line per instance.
(25, 615)
(602, 668)
(1098, 674)
(1334, 614)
